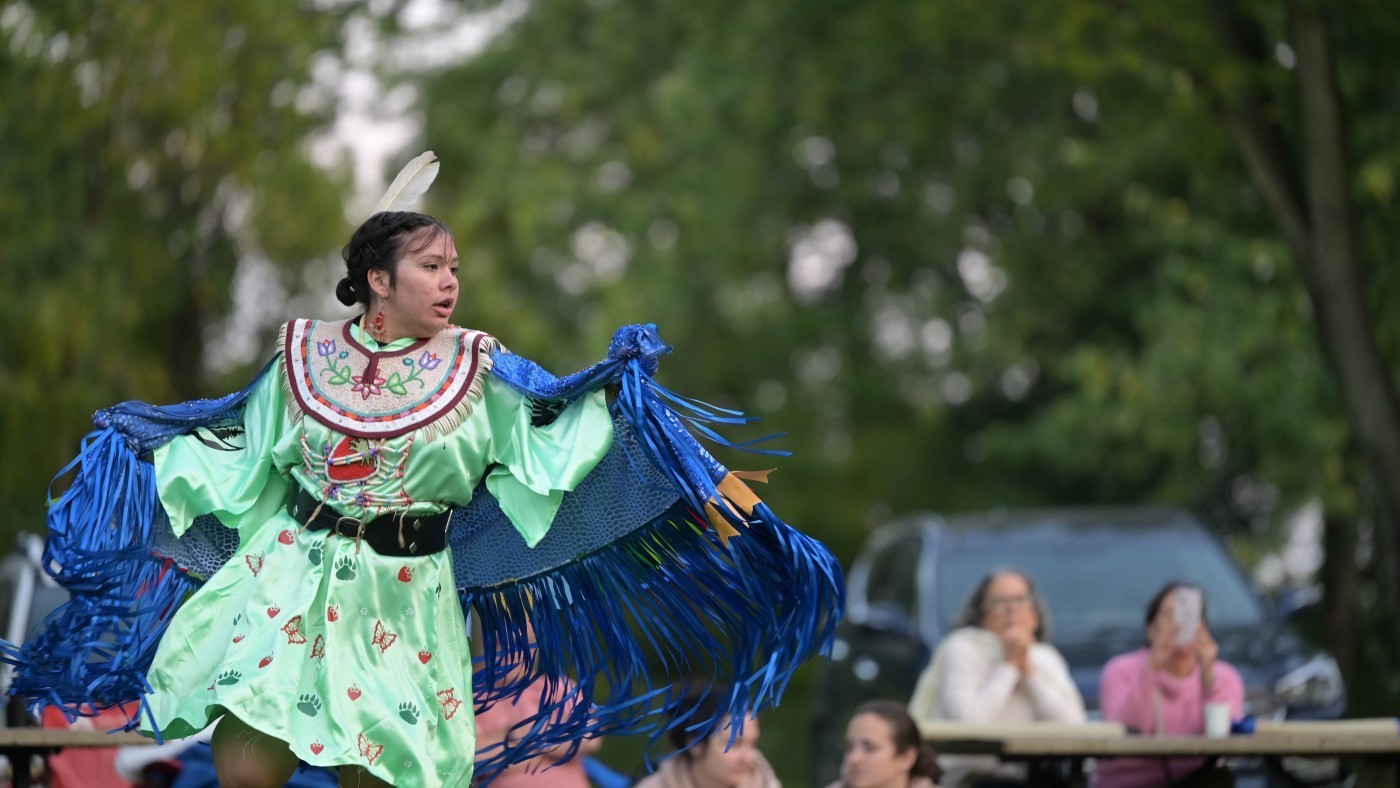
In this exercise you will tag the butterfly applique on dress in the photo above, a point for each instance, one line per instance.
(369, 749)
(293, 630)
(383, 638)
(449, 704)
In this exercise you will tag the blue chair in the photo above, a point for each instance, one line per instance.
(603, 776)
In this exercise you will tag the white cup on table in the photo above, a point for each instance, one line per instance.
(1217, 720)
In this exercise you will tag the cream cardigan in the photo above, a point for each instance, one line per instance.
(969, 680)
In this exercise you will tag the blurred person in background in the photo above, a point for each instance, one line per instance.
(556, 768)
(996, 667)
(883, 749)
(1163, 689)
(714, 761)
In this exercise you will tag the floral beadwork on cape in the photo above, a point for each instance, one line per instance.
(364, 393)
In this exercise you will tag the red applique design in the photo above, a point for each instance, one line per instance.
(293, 630)
(449, 704)
(255, 563)
(286, 537)
(383, 638)
(351, 460)
(424, 656)
(318, 649)
(317, 747)
(369, 749)
(405, 574)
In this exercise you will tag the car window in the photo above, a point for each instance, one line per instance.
(892, 587)
(1097, 580)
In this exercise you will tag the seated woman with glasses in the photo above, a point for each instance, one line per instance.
(996, 667)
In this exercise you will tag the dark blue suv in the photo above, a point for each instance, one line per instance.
(1097, 568)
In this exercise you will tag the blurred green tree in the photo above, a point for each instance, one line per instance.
(1292, 92)
(147, 150)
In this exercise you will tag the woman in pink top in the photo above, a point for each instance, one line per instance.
(1163, 690)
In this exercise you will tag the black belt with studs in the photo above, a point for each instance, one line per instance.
(398, 535)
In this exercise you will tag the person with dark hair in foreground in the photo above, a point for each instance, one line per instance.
(883, 749)
(726, 758)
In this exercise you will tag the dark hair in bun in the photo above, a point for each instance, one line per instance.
(378, 244)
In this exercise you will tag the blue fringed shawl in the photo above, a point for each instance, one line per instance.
(638, 594)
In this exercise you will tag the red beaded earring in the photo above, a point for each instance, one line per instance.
(376, 328)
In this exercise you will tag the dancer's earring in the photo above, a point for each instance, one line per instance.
(376, 327)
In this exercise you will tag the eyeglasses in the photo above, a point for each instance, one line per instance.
(1007, 602)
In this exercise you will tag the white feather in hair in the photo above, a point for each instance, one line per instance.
(411, 183)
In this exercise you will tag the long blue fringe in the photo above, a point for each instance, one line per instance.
(622, 636)
(637, 626)
(92, 652)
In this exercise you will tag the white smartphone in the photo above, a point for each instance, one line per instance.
(1186, 611)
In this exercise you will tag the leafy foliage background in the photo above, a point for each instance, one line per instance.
(966, 254)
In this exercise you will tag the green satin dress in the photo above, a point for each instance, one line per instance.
(349, 656)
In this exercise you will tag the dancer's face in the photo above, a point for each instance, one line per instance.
(420, 301)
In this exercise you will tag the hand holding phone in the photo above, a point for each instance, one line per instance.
(1186, 613)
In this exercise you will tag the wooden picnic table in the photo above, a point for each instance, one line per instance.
(1343, 739)
(20, 744)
